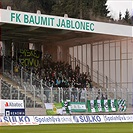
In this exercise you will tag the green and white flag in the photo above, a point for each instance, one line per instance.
(99, 105)
(113, 105)
(102, 105)
(122, 105)
(66, 107)
(92, 106)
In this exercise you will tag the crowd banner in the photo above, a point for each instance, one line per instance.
(30, 58)
(104, 105)
(53, 108)
(78, 106)
(69, 107)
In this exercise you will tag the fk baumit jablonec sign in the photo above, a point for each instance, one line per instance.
(64, 23)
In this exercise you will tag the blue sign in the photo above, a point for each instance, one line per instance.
(16, 119)
(14, 112)
(88, 119)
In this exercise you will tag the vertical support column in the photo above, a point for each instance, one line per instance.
(34, 96)
(115, 64)
(42, 93)
(62, 94)
(11, 92)
(132, 75)
(73, 58)
(98, 79)
(3, 54)
(82, 57)
(18, 92)
(107, 93)
(3, 64)
(75, 62)
(51, 95)
(31, 80)
(42, 50)
(3, 48)
(77, 91)
(87, 69)
(21, 80)
(12, 45)
(59, 95)
(116, 89)
(70, 60)
(127, 60)
(25, 96)
(12, 54)
(109, 66)
(77, 54)
(107, 82)
(103, 68)
(91, 61)
(12, 69)
(120, 64)
(98, 65)
(86, 57)
(127, 98)
(114, 93)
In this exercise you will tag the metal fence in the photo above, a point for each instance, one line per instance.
(35, 92)
(56, 95)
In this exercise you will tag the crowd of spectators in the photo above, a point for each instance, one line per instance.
(59, 74)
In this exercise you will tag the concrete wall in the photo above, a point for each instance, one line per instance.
(35, 111)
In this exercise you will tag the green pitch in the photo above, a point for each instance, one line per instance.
(71, 128)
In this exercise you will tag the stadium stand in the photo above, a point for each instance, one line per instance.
(10, 92)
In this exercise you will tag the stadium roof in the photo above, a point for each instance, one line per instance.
(35, 27)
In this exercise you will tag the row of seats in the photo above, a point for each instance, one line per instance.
(8, 92)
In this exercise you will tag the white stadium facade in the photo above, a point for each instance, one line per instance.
(105, 50)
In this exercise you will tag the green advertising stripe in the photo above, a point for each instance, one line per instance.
(109, 106)
(78, 110)
(102, 104)
(89, 105)
(116, 104)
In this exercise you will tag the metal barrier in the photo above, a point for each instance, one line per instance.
(34, 98)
